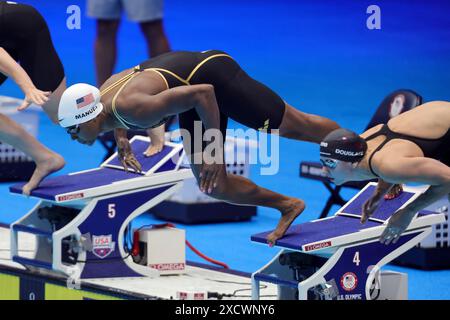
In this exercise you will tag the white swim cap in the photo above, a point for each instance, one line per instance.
(79, 103)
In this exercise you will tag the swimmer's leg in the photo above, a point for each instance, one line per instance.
(303, 126)
(105, 47)
(240, 190)
(46, 160)
(155, 36)
(255, 105)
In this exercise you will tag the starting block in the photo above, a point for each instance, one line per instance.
(81, 218)
(340, 258)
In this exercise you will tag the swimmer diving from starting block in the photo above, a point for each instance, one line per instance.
(412, 147)
(204, 86)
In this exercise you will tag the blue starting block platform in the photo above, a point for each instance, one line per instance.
(80, 221)
(340, 258)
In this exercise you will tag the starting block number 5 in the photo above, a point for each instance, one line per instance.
(356, 259)
(111, 210)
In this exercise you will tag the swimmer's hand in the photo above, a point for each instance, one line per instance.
(397, 225)
(34, 95)
(384, 190)
(127, 157)
(209, 176)
(129, 160)
(369, 207)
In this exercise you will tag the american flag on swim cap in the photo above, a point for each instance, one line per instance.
(84, 101)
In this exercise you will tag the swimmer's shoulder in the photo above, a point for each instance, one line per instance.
(142, 82)
(387, 164)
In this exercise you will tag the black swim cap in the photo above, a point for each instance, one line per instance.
(344, 145)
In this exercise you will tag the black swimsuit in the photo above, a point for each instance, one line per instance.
(239, 96)
(438, 149)
(25, 36)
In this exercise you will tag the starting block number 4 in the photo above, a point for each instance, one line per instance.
(111, 210)
(356, 259)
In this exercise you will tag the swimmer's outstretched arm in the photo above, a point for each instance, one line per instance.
(419, 170)
(144, 110)
(10, 68)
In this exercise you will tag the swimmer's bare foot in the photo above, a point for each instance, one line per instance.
(395, 191)
(49, 164)
(153, 149)
(288, 215)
